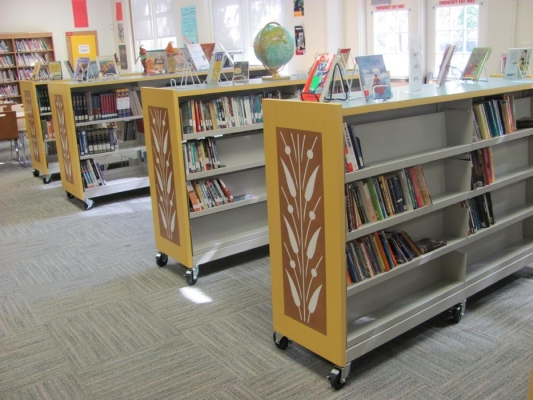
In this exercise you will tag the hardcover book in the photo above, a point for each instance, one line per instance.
(107, 65)
(241, 71)
(54, 69)
(215, 69)
(476, 63)
(445, 64)
(517, 63)
(197, 56)
(375, 81)
(156, 62)
(318, 82)
(80, 70)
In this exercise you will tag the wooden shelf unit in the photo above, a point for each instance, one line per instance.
(194, 238)
(305, 172)
(16, 53)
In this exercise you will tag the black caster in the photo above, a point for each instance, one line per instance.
(88, 204)
(458, 311)
(70, 196)
(192, 275)
(47, 179)
(35, 173)
(335, 379)
(281, 343)
(161, 259)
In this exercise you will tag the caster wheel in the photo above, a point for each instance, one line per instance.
(457, 314)
(47, 180)
(283, 343)
(35, 173)
(70, 196)
(335, 380)
(191, 280)
(161, 259)
(89, 204)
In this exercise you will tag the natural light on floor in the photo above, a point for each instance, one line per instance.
(195, 295)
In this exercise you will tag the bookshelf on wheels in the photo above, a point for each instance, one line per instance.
(344, 284)
(206, 167)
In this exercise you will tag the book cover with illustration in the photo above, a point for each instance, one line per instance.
(107, 65)
(445, 64)
(215, 68)
(80, 70)
(517, 63)
(476, 63)
(375, 81)
(319, 79)
(55, 71)
(156, 62)
(197, 56)
(241, 71)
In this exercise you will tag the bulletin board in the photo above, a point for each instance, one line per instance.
(81, 44)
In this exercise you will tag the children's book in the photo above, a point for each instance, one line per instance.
(156, 62)
(241, 71)
(317, 87)
(80, 69)
(54, 69)
(107, 65)
(197, 56)
(94, 71)
(445, 64)
(36, 69)
(517, 63)
(475, 63)
(215, 68)
(375, 81)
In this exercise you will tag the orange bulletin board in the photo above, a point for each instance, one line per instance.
(82, 44)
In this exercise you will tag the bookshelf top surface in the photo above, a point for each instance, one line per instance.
(431, 94)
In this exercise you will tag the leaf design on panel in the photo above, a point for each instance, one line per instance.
(31, 128)
(165, 187)
(60, 116)
(302, 220)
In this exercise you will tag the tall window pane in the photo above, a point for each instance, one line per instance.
(391, 32)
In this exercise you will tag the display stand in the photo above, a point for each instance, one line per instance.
(484, 72)
(189, 71)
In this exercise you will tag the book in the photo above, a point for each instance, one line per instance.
(215, 68)
(375, 81)
(156, 62)
(344, 57)
(427, 244)
(197, 56)
(241, 71)
(54, 69)
(81, 69)
(35, 73)
(208, 49)
(317, 86)
(445, 64)
(94, 70)
(476, 63)
(517, 63)
(107, 65)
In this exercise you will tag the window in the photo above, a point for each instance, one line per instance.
(457, 25)
(153, 23)
(237, 22)
(391, 33)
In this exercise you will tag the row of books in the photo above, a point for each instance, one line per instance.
(208, 193)
(29, 60)
(380, 197)
(27, 74)
(96, 140)
(47, 127)
(382, 251)
(92, 174)
(494, 118)
(6, 61)
(7, 76)
(3, 47)
(481, 214)
(224, 112)
(31, 45)
(201, 155)
(9, 90)
(93, 107)
(43, 100)
(353, 154)
(482, 167)
(126, 130)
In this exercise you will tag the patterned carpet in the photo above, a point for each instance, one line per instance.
(85, 313)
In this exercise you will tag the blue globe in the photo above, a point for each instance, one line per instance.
(274, 46)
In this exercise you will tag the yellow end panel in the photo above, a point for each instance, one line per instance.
(33, 126)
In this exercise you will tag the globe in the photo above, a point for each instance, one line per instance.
(274, 47)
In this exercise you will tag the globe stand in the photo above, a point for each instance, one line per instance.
(275, 75)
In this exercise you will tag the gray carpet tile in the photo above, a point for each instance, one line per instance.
(63, 386)
(28, 358)
(8, 283)
(150, 278)
(15, 315)
(175, 369)
(216, 297)
(109, 331)
(75, 295)
(237, 391)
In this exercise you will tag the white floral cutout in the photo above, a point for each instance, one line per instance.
(63, 138)
(32, 131)
(164, 182)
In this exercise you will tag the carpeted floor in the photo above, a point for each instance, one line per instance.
(85, 313)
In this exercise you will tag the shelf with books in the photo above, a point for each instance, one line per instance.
(185, 164)
(480, 191)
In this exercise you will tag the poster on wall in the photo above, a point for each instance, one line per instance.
(79, 12)
(120, 31)
(123, 56)
(299, 37)
(189, 27)
(298, 8)
(118, 11)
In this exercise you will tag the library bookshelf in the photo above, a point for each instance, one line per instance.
(313, 302)
(18, 54)
(196, 237)
(41, 136)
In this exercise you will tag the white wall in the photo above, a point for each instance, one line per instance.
(56, 16)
